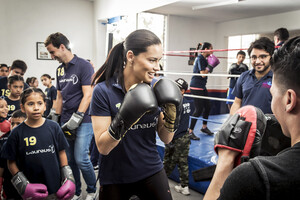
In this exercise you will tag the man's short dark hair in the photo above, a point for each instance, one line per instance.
(262, 43)
(282, 34)
(286, 65)
(18, 114)
(19, 64)
(56, 39)
(241, 53)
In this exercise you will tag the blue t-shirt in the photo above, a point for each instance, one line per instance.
(200, 64)
(184, 119)
(50, 96)
(70, 80)
(36, 152)
(136, 156)
(13, 105)
(254, 92)
(4, 91)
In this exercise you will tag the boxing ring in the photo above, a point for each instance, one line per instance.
(201, 152)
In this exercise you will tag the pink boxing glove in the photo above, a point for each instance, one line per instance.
(4, 127)
(32, 191)
(35, 191)
(213, 61)
(67, 190)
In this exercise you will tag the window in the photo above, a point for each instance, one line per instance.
(239, 42)
(119, 30)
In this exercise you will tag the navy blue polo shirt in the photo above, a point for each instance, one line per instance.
(4, 91)
(184, 119)
(70, 80)
(254, 92)
(36, 152)
(200, 64)
(136, 156)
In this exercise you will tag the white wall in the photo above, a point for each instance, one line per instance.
(184, 33)
(23, 23)
(111, 8)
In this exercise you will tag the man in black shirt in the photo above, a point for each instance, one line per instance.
(274, 177)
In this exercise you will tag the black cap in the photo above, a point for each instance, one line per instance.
(182, 84)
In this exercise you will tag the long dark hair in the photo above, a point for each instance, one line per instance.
(138, 41)
(205, 45)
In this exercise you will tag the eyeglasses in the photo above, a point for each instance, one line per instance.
(260, 57)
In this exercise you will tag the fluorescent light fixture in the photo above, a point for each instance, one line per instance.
(223, 3)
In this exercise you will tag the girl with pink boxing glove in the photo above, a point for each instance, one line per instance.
(36, 155)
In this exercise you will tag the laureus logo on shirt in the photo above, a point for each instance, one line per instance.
(73, 79)
(145, 125)
(50, 149)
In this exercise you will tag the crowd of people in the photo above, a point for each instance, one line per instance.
(116, 112)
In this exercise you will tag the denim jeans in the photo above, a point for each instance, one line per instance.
(78, 158)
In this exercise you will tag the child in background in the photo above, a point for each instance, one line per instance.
(36, 155)
(32, 82)
(177, 151)
(4, 131)
(50, 92)
(4, 124)
(15, 84)
(4, 70)
(237, 69)
(5, 176)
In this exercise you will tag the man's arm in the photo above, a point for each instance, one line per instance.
(224, 167)
(58, 103)
(236, 105)
(86, 99)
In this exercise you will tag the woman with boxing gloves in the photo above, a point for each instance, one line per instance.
(125, 118)
(205, 63)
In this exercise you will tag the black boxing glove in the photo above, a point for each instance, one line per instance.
(232, 68)
(138, 101)
(169, 98)
(242, 132)
(243, 67)
(273, 140)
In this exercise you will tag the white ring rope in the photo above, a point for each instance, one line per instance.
(210, 98)
(196, 74)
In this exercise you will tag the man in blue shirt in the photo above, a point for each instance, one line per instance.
(74, 93)
(253, 86)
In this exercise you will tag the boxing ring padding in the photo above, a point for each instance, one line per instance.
(201, 152)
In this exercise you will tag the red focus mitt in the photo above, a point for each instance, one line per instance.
(242, 132)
